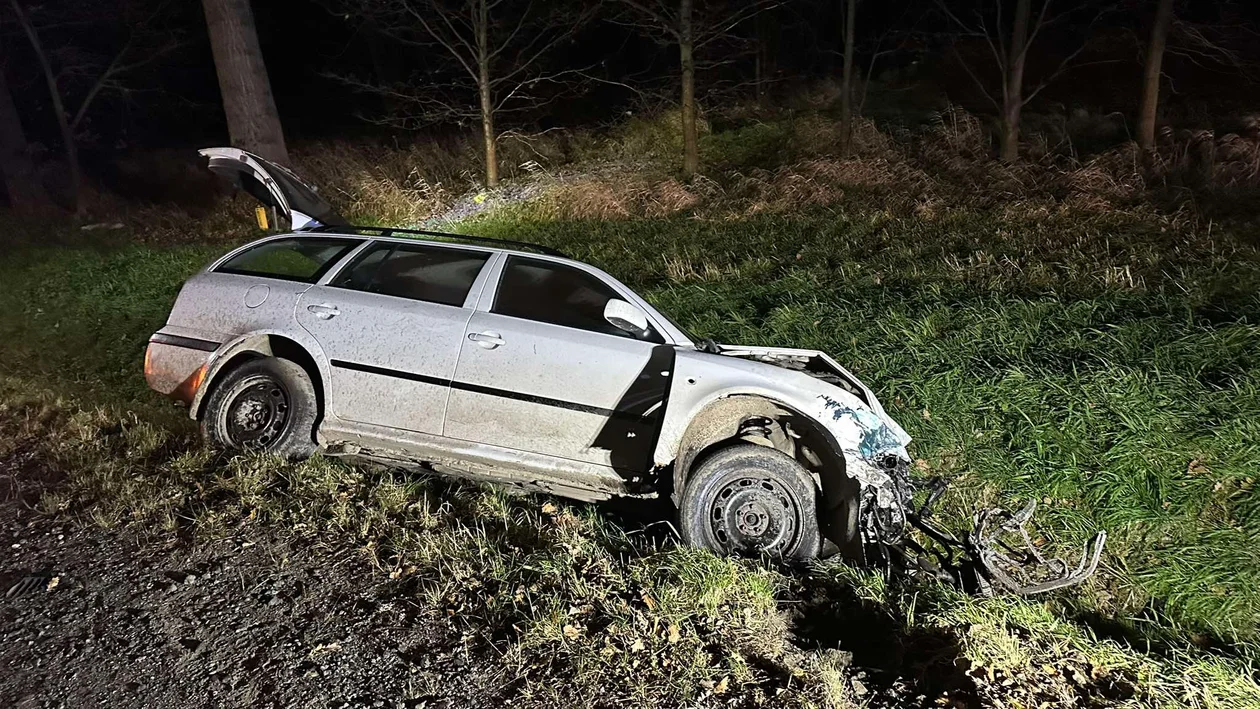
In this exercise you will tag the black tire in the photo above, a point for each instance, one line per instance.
(750, 500)
(266, 405)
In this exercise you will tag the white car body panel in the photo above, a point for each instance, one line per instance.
(569, 384)
(366, 334)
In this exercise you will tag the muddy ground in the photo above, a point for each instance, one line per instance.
(94, 618)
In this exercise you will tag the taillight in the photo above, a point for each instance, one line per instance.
(199, 376)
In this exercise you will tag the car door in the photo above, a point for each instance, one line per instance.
(391, 323)
(540, 370)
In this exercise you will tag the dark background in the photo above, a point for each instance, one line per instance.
(307, 44)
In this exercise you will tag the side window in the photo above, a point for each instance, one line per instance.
(428, 273)
(557, 294)
(302, 258)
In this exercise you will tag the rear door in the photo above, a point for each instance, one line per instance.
(540, 370)
(391, 323)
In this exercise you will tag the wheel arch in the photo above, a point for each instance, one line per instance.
(254, 346)
(756, 418)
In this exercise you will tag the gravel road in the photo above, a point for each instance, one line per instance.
(94, 618)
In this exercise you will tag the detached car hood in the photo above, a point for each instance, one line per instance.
(823, 367)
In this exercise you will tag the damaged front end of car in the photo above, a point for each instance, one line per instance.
(997, 555)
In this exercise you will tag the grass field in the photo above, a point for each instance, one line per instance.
(1106, 364)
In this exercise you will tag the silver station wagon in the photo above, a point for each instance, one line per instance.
(507, 362)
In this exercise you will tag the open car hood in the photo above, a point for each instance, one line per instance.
(275, 186)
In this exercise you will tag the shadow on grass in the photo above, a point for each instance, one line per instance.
(896, 658)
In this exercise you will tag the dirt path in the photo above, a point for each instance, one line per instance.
(93, 618)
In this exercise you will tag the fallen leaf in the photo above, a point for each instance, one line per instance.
(674, 635)
(649, 602)
(637, 645)
(549, 508)
(572, 632)
(52, 582)
(330, 647)
(721, 686)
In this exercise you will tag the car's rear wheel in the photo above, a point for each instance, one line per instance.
(750, 500)
(265, 405)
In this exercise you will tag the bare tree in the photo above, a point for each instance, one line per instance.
(763, 60)
(1215, 41)
(16, 167)
(1009, 48)
(1151, 72)
(692, 28)
(134, 53)
(846, 81)
(498, 50)
(252, 118)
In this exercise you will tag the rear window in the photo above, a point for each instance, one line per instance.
(302, 259)
(429, 273)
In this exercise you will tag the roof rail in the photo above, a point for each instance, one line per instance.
(388, 231)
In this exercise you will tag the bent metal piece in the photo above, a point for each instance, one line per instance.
(1026, 571)
(990, 563)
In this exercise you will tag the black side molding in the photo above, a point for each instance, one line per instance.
(191, 343)
(478, 389)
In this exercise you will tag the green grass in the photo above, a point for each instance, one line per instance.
(1105, 364)
(79, 318)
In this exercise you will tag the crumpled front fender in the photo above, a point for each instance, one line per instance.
(872, 445)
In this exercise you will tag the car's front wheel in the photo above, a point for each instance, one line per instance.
(750, 500)
(265, 405)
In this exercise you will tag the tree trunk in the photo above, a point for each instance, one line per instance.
(253, 122)
(16, 168)
(487, 131)
(1148, 107)
(482, 19)
(846, 82)
(1013, 88)
(691, 149)
(764, 68)
(758, 95)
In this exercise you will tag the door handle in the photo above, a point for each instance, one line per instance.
(487, 340)
(324, 311)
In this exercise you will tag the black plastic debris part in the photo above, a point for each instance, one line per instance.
(997, 556)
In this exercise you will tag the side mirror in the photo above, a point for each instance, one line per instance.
(624, 316)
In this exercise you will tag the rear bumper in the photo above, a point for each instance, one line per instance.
(175, 365)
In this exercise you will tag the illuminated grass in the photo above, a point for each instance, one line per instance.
(1106, 365)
